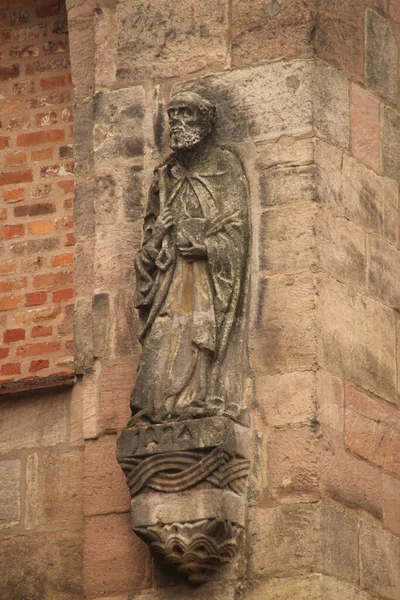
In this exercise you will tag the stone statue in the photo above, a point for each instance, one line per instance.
(185, 451)
(191, 272)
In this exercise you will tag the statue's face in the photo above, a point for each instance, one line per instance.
(187, 128)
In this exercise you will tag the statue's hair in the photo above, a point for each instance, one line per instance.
(206, 108)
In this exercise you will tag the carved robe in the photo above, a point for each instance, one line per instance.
(189, 308)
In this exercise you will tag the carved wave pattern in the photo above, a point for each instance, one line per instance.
(179, 471)
(195, 549)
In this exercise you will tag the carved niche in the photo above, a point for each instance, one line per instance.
(185, 450)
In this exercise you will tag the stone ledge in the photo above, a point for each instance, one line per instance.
(13, 387)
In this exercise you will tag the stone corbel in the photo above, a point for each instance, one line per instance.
(188, 483)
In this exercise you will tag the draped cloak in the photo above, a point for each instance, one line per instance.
(188, 308)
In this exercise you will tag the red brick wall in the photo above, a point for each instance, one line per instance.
(36, 192)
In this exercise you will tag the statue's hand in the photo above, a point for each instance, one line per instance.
(192, 250)
(163, 223)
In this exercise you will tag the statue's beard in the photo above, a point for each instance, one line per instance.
(184, 138)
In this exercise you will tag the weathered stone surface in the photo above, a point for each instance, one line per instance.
(284, 540)
(349, 480)
(84, 268)
(339, 39)
(391, 143)
(332, 589)
(41, 567)
(287, 152)
(341, 248)
(339, 543)
(383, 271)
(380, 561)
(82, 58)
(187, 507)
(84, 220)
(105, 32)
(115, 387)
(62, 488)
(382, 56)
(287, 238)
(83, 137)
(101, 325)
(118, 129)
(287, 185)
(195, 434)
(365, 127)
(301, 588)
(126, 331)
(372, 430)
(91, 403)
(391, 504)
(121, 564)
(105, 488)
(293, 463)
(159, 36)
(212, 591)
(262, 102)
(33, 492)
(287, 398)
(37, 420)
(283, 335)
(357, 338)
(269, 30)
(10, 493)
(83, 336)
(114, 252)
(331, 106)
(330, 391)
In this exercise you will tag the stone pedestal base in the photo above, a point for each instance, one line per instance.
(187, 482)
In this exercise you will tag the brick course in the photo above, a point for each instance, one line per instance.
(35, 105)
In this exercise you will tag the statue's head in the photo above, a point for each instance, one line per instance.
(191, 119)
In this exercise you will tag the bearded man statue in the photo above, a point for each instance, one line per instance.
(191, 275)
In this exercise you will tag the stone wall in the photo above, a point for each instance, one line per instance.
(36, 195)
(308, 98)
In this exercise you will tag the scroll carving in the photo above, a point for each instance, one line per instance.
(185, 449)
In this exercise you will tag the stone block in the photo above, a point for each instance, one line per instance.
(372, 430)
(41, 567)
(383, 274)
(339, 543)
(347, 479)
(62, 488)
(33, 492)
(10, 475)
(76, 412)
(330, 393)
(91, 403)
(356, 338)
(287, 185)
(380, 561)
(115, 388)
(39, 420)
(80, 31)
(331, 105)
(332, 589)
(306, 587)
(287, 398)
(84, 269)
(282, 336)
(286, 152)
(83, 336)
(121, 564)
(168, 40)
(118, 128)
(391, 143)
(101, 325)
(84, 220)
(391, 504)
(365, 127)
(83, 137)
(287, 238)
(105, 32)
(114, 252)
(263, 102)
(126, 342)
(341, 248)
(328, 160)
(381, 56)
(212, 591)
(105, 488)
(284, 540)
(340, 40)
(270, 30)
(293, 463)
(107, 203)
